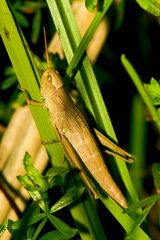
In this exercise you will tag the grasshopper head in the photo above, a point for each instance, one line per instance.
(50, 82)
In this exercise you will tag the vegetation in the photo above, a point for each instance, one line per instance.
(133, 33)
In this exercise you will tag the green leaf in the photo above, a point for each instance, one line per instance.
(14, 226)
(33, 190)
(27, 183)
(151, 6)
(31, 211)
(35, 218)
(71, 196)
(33, 173)
(19, 101)
(21, 19)
(36, 26)
(3, 227)
(91, 4)
(56, 175)
(120, 11)
(16, 5)
(9, 71)
(61, 226)
(25, 226)
(9, 82)
(54, 171)
(140, 87)
(31, 216)
(30, 231)
(56, 235)
(33, 4)
(147, 201)
(153, 90)
(39, 228)
(158, 112)
(139, 221)
(156, 175)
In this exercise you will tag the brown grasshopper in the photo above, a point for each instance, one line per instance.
(75, 133)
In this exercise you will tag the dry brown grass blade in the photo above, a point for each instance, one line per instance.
(20, 136)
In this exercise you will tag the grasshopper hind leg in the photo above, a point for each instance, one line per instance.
(70, 152)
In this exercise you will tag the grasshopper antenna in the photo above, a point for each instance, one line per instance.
(46, 49)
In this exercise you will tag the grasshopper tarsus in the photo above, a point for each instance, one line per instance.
(50, 141)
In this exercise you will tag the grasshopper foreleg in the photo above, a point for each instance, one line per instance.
(36, 103)
(29, 100)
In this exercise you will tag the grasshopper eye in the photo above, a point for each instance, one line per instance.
(49, 77)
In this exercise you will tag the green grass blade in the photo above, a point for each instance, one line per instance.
(143, 203)
(139, 85)
(139, 221)
(138, 129)
(156, 176)
(125, 220)
(39, 228)
(86, 38)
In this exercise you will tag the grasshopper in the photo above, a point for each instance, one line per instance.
(75, 134)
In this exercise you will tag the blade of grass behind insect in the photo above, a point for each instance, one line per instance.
(143, 203)
(80, 50)
(28, 76)
(86, 81)
(139, 85)
(138, 138)
(138, 222)
(156, 176)
(125, 221)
